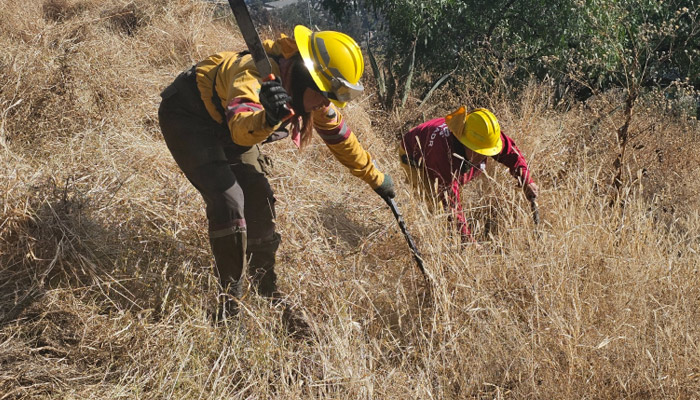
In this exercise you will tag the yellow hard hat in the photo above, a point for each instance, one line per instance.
(334, 61)
(478, 130)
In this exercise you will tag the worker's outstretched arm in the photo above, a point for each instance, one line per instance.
(346, 148)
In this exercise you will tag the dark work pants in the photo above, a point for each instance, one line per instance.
(230, 178)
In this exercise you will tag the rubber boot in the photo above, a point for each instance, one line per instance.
(230, 256)
(262, 265)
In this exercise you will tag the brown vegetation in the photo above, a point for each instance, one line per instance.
(105, 272)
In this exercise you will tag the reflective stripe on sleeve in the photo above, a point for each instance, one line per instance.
(335, 135)
(237, 106)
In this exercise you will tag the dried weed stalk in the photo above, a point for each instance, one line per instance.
(105, 272)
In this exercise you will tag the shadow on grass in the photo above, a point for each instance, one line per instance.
(337, 223)
(58, 244)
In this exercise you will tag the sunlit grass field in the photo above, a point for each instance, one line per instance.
(106, 280)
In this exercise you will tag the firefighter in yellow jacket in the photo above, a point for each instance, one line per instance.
(214, 115)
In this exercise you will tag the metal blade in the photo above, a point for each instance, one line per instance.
(250, 35)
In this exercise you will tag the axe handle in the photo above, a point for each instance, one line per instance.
(255, 46)
(402, 224)
(535, 211)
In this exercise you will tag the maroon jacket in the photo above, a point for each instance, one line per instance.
(432, 146)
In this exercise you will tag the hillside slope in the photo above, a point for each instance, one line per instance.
(105, 271)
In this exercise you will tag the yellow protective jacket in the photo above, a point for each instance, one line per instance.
(238, 87)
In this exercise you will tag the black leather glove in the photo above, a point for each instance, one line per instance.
(274, 99)
(386, 189)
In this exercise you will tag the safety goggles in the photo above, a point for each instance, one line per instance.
(343, 91)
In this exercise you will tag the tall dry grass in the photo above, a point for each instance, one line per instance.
(105, 272)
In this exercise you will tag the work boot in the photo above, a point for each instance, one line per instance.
(293, 321)
(228, 247)
(261, 268)
(226, 307)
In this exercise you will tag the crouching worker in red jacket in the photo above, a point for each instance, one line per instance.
(445, 153)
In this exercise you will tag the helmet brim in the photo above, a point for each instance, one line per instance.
(489, 151)
(302, 36)
(456, 122)
(339, 104)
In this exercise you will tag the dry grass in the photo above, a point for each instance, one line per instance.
(105, 272)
